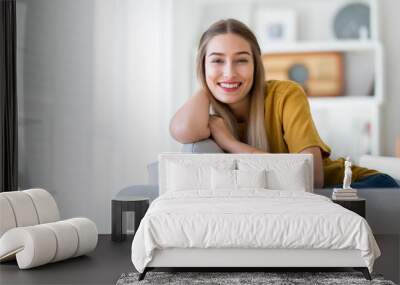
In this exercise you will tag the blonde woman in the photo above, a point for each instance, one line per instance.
(250, 115)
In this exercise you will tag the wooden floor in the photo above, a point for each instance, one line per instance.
(110, 259)
(103, 266)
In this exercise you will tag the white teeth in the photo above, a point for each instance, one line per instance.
(229, 85)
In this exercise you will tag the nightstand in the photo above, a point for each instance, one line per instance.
(120, 204)
(356, 205)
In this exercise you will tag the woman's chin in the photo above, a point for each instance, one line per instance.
(229, 99)
(229, 102)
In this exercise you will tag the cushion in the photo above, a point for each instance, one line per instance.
(291, 175)
(40, 244)
(27, 208)
(182, 177)
(23, 208)
(185, 174)
(295, 180)
(223, 179)
(45, 205)
(7, 215)
(251, 178)
(237, 179)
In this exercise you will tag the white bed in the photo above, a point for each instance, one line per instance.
(219, 210)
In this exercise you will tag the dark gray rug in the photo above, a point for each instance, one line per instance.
(270, 278)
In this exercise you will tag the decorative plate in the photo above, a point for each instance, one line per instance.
(353, 22)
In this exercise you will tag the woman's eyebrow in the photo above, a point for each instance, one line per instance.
(220, 53)
(243, 52)
(215, 53)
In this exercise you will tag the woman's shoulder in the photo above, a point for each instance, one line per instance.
(281, 90)
(281, 86)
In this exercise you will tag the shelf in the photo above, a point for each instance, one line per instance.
(322, 46)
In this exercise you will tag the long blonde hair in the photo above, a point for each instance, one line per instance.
(256, 134)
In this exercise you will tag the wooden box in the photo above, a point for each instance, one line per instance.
(320, 74)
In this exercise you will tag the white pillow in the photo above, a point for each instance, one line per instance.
(188, 176)
(293, 180)
(237, 179)
(181, 177)
(223, 179)
(281, 174)
(251, 178)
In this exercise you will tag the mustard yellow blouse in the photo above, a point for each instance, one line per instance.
(290, 129)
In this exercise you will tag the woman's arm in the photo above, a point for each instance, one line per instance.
(300, 133)
(225, 139)
(318, 168)
(190, 122)
(239, 147)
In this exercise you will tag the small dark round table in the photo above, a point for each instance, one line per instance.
(121, 204)
(356, 205)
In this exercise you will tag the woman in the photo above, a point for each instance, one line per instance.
(254, 116)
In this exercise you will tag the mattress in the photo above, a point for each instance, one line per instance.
(250, 219)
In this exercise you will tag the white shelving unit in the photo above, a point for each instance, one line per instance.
(349, 124)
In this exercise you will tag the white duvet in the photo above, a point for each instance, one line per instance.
(252, 218)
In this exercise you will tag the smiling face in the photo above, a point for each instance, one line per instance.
(229, 68)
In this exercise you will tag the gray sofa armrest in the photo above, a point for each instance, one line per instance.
(149, 191)
(152, 171)
(385, 164)
(204, 146)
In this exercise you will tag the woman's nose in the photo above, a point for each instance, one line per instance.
(229, 70)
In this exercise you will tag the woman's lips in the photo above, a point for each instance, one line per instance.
(229, 87)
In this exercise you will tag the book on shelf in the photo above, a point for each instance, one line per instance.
(346, 196)
(340, 190)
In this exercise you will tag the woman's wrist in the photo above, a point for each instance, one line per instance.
(236, 146)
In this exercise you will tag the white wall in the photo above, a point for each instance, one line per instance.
(55, 95)
(95, 98)
(390, 23)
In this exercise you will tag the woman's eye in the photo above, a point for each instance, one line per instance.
(220, 61)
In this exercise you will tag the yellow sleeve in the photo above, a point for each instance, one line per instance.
(298, 127)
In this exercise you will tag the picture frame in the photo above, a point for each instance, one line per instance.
(275, 26)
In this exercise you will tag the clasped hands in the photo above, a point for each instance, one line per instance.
(221, 133)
